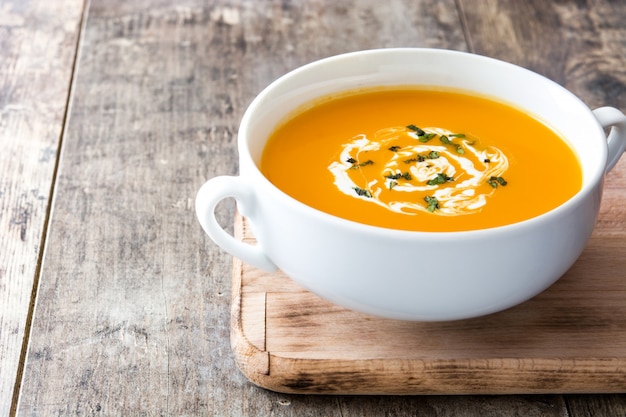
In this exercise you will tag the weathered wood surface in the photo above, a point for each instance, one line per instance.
(38, 41)
(133, 309)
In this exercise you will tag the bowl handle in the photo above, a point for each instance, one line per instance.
(210, 194)
(616, 120)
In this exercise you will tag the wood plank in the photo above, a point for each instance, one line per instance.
(38, 45)
(104, 343)
(580, 45)
(133, 308)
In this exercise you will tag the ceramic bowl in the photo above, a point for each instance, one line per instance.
(349, 263)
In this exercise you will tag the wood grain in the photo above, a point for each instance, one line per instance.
(580, 45)
(132, 314)
(37, 45)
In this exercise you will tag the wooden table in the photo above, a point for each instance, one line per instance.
(113, 113)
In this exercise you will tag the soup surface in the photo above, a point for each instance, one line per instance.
(421, 160)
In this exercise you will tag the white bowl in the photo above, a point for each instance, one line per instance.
(433, 276)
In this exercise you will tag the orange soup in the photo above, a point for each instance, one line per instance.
(421, 160)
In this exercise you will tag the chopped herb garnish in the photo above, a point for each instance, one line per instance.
(457, 135)
(405, 175)
(362, 192)
(446, 141)
(351, 160)
(392, 184)
(441, 178)
(486, 160)
(395, 148)
(422, 158)
(432, 202)
(495, 181)
(416, 129)
(426, 137)
(362, 164)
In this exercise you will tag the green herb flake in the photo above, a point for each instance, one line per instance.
(362, 192)
(433, 203)
(362, 164)
(422, 158)
(486, 160)
(392, 184)
(351, 160)
(460, 150)
(425, 138)
(445, 140)
(441, 178)
(496, 181)
(416, 129)
(457, 135)
(395, 148)
(406, 175)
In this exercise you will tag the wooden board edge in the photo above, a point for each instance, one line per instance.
(252, 361)
(445, 377)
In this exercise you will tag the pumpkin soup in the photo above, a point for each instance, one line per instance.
(421, 160)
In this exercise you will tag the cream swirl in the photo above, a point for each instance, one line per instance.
(420, 170)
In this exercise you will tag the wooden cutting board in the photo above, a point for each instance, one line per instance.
(569, 339)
